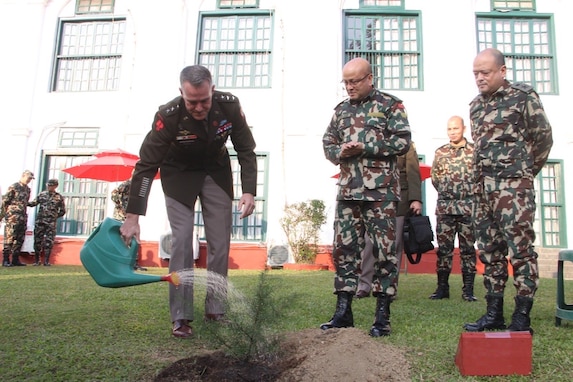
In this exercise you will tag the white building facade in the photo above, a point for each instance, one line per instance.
(84, 76)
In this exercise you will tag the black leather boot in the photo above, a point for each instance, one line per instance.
(468, 288)
(443, 290)
(47, 259)
(6, 261)
(381, 326)
(343, 315)
(492, 320)
(520, 321)
(36, 257)
(16, 260)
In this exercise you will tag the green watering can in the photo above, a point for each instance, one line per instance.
(110, 262)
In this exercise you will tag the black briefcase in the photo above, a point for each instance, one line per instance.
(418, 236)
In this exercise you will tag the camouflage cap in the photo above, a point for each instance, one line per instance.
(52, 182)
(29, 173)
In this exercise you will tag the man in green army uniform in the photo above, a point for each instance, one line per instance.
(52, 207)
(512, 138)
(15, 211)
(452, 177)
(366, 134)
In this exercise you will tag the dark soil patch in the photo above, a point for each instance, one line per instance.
(309, 355)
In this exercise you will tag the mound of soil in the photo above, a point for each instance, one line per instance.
(309, 355)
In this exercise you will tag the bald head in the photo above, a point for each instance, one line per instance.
(456, 129)
(489, 71)
(357, 78)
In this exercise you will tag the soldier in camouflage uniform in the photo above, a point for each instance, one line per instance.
(452, 177)
(52, 207)
(512, 138)
(366, 134)
(14, 209)
(120, 197)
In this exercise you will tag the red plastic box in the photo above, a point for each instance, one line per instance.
(494, 353)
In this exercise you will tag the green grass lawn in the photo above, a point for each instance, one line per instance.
(57, 324)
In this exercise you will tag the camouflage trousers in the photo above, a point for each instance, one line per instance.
(14, 234)
(447, 226)
(503, 222)
(44, 234)
(352, 220)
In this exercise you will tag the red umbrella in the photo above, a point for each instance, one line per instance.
(425, 172)
(111, 166)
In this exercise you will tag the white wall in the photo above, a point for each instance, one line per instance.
(288, 119)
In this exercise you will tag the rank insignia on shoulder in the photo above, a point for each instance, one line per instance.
(226, 97)
(522, 86)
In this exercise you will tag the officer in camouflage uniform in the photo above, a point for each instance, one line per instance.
(188, 142)
(512, 138)
(14, 209)
(52, 207)
(452, 177)
(120, 197)
(366, 134)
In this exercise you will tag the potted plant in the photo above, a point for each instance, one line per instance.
(301, 224)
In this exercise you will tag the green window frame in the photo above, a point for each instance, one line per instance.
(527, 43)
(88, 55)
(254, 227)
(222, 4)
(551, 220)
(94, 6)
(513, 5)
(237, 47)
(68, 138)
(391, 40)
(86, 200)
(382, 3)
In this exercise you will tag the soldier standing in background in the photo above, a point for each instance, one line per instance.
(366, 134)
(120, 197)
(14, 208)
(452, 177)
(410, 203)
(52, 207)
(512, 139)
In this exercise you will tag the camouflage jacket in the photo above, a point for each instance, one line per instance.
(381, 123)
(452, 177)
(512, 137)
(120, 196)
(52, 206)
(15, 203)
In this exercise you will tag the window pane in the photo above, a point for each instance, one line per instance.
(237, 50)
(390, 43)
(89, 56)
(526, 44)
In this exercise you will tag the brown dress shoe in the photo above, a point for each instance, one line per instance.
(182, 329)
(362, 294)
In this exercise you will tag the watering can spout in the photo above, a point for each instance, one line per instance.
(110, 262)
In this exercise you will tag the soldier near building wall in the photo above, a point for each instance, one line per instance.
(120, 198)
(512, 138)
(51, 207)
(452, 177)
(14, 209)
(366, 134)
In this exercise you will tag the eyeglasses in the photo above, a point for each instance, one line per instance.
(354, 82)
